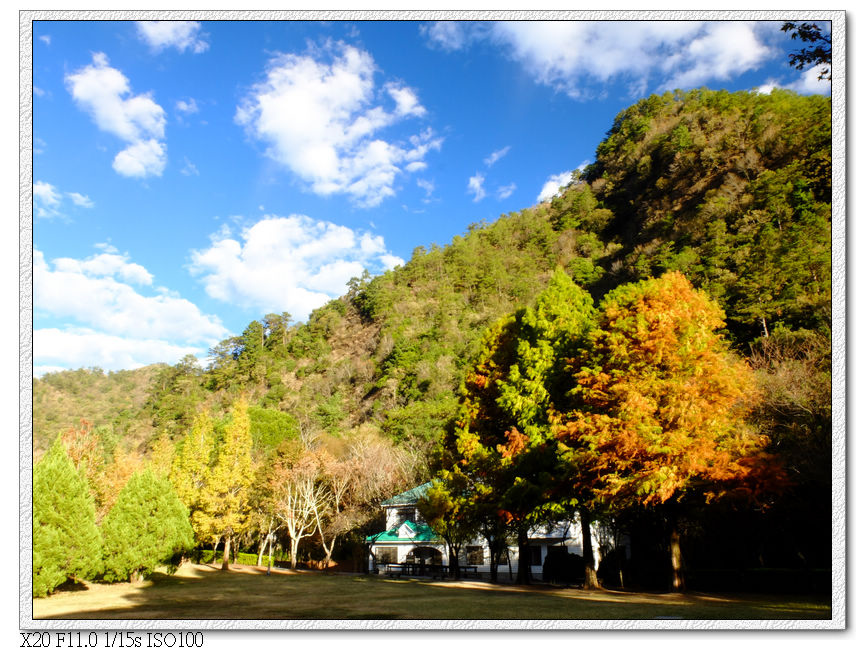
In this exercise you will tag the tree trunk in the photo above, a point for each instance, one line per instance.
(524, 571)
(494, 545)
(261, 548)
(293, 551)
(591, 580)
(215, 544)
(676, 560)
(270, 553)
(454, 559)
(226, 550)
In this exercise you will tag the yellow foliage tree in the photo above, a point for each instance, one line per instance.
(226, 497)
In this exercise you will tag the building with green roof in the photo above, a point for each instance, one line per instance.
(408, 540)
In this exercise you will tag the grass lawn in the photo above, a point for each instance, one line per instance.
(203, 592)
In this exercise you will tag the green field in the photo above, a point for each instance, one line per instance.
(203, 592)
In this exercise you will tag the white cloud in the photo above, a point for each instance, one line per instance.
(96, 293)
(141, 159)
(449, 35)
(808, 83)
(476, 185)
(104, 93)
(81, 200)
(45, 38)
(495, 156)
(319, 117)
(506, 190)
(48, 200)
(552, 186)
(426, 186)
(180, 34)
(580, 57)
(293, 263)
(85, 348)
(187, 107)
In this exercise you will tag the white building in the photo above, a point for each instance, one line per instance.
(408, 540)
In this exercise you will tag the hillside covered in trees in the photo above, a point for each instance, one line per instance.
(731, 190)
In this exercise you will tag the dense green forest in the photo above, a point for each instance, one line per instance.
(732, 190)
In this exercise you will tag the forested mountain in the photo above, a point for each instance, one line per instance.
(731, 189)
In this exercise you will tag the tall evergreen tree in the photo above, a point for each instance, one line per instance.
(146, 527)
(66, 542)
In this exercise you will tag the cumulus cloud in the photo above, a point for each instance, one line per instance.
(142, 159)
(104, 93)
(808, 83)
(579, 57)
(553, 185)
(85, 348)
(182, 35)
(495, 156)
(293, 263)
(96, 294)
(476, 186)
(320, 116)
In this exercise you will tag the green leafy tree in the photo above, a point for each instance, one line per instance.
(501, 447)
(148, 526)
(66, 542)
(448, 510)
(819, 50)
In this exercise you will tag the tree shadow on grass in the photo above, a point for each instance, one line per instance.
(201, 592)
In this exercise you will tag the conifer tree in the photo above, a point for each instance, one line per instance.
(66, 542)
(660, 404)
(146, 527)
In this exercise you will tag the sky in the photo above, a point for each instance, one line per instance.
(190, 177)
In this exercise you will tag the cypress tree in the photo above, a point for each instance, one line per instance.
(66, 541)
(146, 527)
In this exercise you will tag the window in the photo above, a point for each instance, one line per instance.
(385, 555)
(534, 555)
(475, 554)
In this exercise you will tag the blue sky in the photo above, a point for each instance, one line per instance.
(191, 177)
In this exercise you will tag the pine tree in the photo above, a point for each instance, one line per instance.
(66, 542)
(146, 527)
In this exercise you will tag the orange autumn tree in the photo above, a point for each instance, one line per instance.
(659, 404)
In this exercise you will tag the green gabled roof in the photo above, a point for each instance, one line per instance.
(409, 497)
(422, 533)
